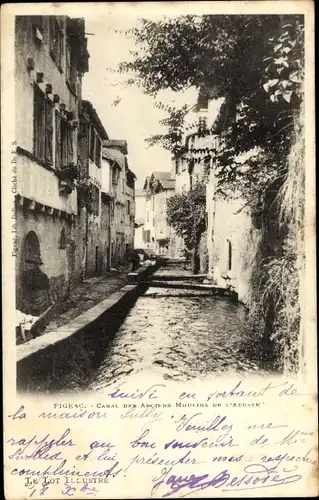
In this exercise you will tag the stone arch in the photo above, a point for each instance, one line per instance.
(35, 283)
(32, 252)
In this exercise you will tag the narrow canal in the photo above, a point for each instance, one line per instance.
(179, 334)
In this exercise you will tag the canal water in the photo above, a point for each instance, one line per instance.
(180, 335)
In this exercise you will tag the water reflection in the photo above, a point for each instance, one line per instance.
(179, 335)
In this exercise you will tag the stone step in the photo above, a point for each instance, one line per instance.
(178, 277)
(216, 290)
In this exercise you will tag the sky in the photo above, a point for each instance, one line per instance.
(134, 118)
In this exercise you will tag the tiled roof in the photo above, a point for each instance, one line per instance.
(118, 144)
(162, 175)
(168, 183)
(114, 155)
(165, 179)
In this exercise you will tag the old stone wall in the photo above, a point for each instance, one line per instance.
(235, 242)
(57, 254)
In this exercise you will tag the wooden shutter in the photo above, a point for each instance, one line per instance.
(70, 144)
(92, 143)
(52, 37)
(68, 62)
(64, 142)
(98, 151)
(58, 141)
(49, 131)
(39, 123)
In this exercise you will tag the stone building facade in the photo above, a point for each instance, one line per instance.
(149, 219)
(232, 238)
(191, 167)
(122, 205)
(159, 187)
(50, 59)
(94, 247)
(74, 208)
(140, 202)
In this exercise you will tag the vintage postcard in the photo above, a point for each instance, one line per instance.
(158, 235)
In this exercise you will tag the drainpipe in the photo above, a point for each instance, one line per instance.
(211, 222)
(109, 236)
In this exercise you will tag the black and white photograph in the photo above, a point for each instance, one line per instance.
(158, 200)
(159, 197)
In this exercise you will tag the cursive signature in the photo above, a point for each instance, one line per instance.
(254, 476)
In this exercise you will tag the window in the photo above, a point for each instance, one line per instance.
(146, 236)
(56, 41)
(114, 176)
(92, 143)
(58, 144)
(68, 62)
(98, 151)
(43, 126)
(39, 123)
(70, 143)
(66, 142)
(38, 29)
(128, 207)
(49, 131)
(71, 70)
(62, 239)
(96, 200)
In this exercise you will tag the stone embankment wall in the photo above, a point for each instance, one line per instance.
(74, 350)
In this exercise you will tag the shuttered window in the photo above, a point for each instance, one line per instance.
(43, 127)
(58, 144)
(56, 41)
(70, 144)
(92, 143)
(96, 200)
(49, 131)
(71, 68)
(64, 142)
(39, 123)
(68, 62)
(98, 151)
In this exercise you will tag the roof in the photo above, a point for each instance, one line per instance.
(165, 179)
(88, 107)
(118, 144)
(115, 156)
(168, 184)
